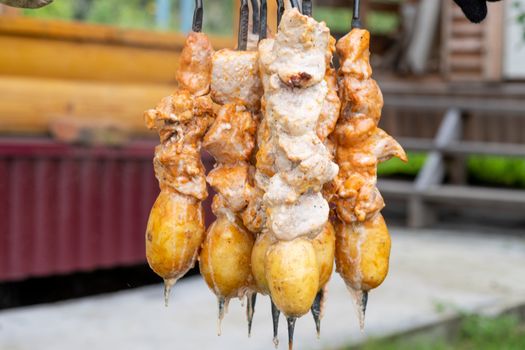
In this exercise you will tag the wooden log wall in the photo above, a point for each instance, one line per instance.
(53, 69)
(492, 113)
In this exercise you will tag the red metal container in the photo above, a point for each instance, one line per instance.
(69, 208)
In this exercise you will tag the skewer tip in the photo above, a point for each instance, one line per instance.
(363, 304)
(168, 283)
(316, 311)
(275, 319)
(221, 302)
(250, 310)
(291, 329)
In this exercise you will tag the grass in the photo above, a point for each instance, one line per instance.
(475, 333)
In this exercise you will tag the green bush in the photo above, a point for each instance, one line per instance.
(482, 170)
(475, 333)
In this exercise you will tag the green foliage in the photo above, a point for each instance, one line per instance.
(59, 9)
(476, 333)
(484, 333)
(484, 170)
(139, 14)
(520, 16)
(400, 344)
(339, 19)
(497, 170)
(396, 167)
(382, 22)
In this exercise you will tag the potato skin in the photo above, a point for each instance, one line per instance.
(260, 248)
(225, 257)
(174, 234)
(362, 253)
(324, 246)
(293, 276)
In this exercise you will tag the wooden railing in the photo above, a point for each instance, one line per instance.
(446, 156)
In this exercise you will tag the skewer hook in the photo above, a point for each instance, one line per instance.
(197, 17)
(280, 10)
(244, 14)
(356, 21)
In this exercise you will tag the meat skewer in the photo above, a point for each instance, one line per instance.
(318, 141)
(175, 227)
(363, 242)
(226, 251)
(292, 162)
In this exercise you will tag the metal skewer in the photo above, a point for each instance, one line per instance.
(255, 16)
(291, 329)
(263, 22)
(316, 311)
(356, 21)
(307, 8)
(197, 17)
(280, 10)
(295, 4)
(275, 320)
(250, 310)
(244, 18)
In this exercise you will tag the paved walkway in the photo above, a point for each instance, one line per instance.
(430, 270)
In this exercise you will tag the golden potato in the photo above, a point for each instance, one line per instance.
(362, 253)
(260, 248)
(225, 258)
(324, 246)
(293, 275)
(174, 234)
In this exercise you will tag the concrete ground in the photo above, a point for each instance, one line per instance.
(433, 275)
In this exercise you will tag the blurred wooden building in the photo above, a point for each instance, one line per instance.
(68, 207)
(434, 37)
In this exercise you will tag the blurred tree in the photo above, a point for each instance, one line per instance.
(218, 18)
(81, 9)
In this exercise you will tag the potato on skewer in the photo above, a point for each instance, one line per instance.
(225, 260)
(176, 224)
(363, 243)
(292, 162)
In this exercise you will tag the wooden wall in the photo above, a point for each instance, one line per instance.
(472, 52)
(53, 69)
